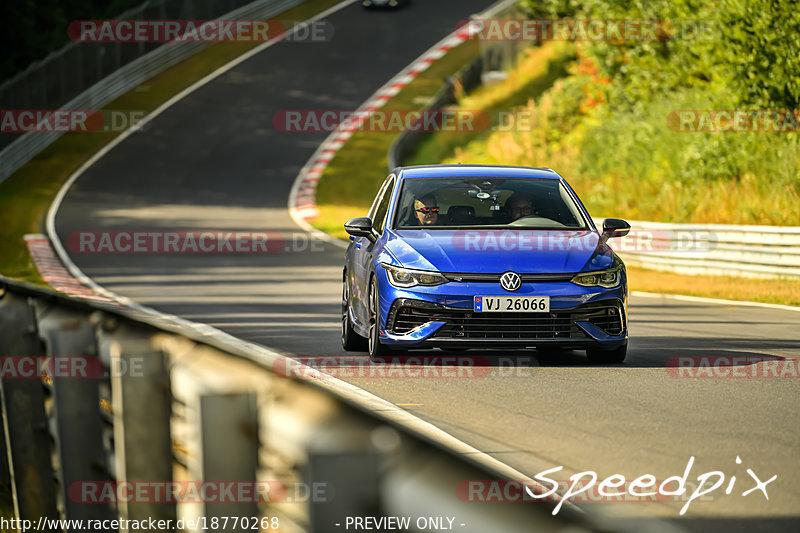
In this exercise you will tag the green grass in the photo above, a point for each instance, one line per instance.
(772, 291)
(26, 195)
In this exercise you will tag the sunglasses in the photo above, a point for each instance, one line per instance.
(428, 210)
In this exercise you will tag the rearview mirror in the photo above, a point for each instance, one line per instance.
(360, 227)
(614, 227)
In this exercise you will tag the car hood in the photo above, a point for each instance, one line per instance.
(495, 251)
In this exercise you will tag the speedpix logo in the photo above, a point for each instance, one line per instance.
(587, 486)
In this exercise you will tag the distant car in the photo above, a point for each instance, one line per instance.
(383, 3)
(463, 256)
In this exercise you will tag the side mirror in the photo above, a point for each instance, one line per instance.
(614, 227)
(360, 227)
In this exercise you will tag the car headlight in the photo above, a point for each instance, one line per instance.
(404, 277)
(607, 279)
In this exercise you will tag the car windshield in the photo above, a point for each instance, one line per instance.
(529, 203)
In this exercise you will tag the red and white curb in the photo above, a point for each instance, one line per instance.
(56, 275)
(302, 198)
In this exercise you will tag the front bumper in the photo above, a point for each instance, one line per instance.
(442, 316)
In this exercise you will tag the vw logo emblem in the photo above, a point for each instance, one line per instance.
(510, 281)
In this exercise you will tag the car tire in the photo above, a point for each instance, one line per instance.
(351, 340)
(602, 357)
(375, 348)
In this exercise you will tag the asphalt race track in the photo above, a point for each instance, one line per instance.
(214, 162)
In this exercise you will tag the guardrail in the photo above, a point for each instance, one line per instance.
(494, 55)
(465, 79)
(168, 403)
(122, 80)
(747, 251)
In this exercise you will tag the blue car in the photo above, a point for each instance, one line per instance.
(383, 3)
(465, 256)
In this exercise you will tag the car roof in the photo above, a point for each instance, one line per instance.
(477, 171)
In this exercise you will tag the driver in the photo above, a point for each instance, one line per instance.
(519, 205)
(426, 209)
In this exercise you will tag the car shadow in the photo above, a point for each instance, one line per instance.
(643, 352)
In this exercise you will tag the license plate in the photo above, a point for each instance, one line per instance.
(511, 304)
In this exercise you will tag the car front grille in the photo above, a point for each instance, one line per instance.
(472, 277)
(466, 324)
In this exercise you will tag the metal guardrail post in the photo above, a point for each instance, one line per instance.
(351, 487)
(5, 471)
(229, 448)
(423, 484)
(76, 412)
(141, 403)
(406, 142)
(26, 442)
